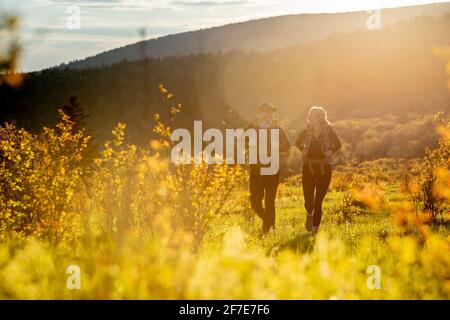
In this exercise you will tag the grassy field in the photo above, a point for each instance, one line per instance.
(234, 261)
(129, 225)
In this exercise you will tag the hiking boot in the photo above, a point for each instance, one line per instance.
(309, 221)
(314, 230)
(266, 227)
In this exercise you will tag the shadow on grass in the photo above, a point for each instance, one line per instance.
(302, 243)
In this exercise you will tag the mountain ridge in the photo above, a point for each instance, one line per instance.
(259, 35)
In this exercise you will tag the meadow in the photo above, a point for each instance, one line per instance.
(135, 226)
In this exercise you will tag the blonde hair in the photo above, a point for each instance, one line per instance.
(324, 117)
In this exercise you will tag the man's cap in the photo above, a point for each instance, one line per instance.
(267, 106)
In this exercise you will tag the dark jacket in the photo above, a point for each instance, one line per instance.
(316, 145)
(284, 143)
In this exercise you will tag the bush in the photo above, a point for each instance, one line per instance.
(424, 190)
(38, 178)
(45, 195)
(346, 208)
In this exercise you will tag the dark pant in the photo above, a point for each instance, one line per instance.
(264, 187)
(315, 187)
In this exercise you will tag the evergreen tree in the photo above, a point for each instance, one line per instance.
(76, 113)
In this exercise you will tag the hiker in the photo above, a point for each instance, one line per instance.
(318, 142)
(263, 186)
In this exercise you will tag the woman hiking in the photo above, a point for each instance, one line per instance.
(318, 142)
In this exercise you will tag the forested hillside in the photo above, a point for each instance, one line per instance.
(359, 75)
(260, 35)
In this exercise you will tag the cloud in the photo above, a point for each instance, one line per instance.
(211, 3)
(110, 4)
(166, 4)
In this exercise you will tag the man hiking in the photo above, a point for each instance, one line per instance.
(263, 187)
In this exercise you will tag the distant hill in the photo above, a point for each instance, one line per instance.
(260, 35)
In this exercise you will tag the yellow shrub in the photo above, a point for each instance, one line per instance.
(38, 178)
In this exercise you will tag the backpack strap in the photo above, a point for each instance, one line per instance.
(326, 147)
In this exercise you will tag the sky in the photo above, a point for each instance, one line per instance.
(106, 24)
